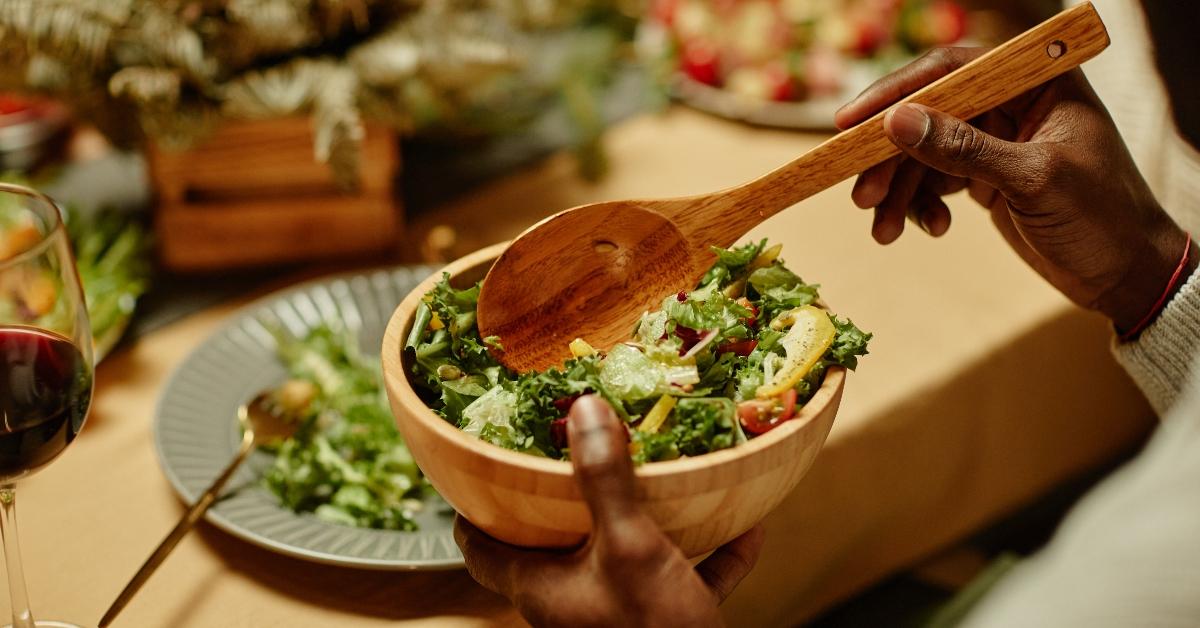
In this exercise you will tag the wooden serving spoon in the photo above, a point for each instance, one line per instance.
(590, 272)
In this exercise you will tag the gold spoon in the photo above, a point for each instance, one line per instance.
(591, 271)
(259, 426)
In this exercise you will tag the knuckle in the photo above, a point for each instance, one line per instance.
(630, 544)
(966, 143)
(942, 58)
(933, 56)
(945, 59)
(963, 142)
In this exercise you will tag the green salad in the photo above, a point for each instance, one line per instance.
(346, 462)
(706, 370)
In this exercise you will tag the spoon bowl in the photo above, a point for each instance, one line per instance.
(632, 247)
(263, 425)
(591, 271)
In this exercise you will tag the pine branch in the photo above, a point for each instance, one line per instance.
(80, 30)
(174, 69)
(158, 36)
(146, 86)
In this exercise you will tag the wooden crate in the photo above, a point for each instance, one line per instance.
(254, 195)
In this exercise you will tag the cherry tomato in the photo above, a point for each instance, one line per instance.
(753, 318)
(740, 347)
(757, 415)
(760, 416)
(789, 405)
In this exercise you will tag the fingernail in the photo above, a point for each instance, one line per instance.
(908, 124)
(926, 224)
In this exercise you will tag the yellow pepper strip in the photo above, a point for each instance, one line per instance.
(580, 348)
(809, 338)
(658, 414)
(435, 323)
(762, 260)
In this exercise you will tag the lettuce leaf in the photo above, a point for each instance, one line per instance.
(780, 289)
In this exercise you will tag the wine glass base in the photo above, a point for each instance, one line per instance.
(50, 623)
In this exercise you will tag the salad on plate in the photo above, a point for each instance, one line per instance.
(706, 370)
(346, 463)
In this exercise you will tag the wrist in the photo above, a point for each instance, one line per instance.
(1153, 277)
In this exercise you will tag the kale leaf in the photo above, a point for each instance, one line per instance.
(849, 343)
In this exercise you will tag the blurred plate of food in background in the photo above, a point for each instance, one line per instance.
(112, 256)
(31, 130)
(788, 63)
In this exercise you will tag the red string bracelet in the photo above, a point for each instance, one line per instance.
(1162, 301)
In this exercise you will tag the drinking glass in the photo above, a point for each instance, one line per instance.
(45, 359)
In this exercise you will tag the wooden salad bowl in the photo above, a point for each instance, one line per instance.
(700, 502)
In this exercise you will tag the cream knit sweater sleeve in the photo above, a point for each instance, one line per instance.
(1161, 358)
(1129, 553)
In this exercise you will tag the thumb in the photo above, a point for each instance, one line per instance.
(603, 469)
(954, 147)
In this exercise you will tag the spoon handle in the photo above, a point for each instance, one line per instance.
(189, 519)
(1032, 58)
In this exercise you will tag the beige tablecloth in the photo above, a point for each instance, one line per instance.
(983, 389)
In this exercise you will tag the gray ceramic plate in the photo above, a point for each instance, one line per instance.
(196, 434)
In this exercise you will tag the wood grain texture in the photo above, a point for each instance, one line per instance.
(253, 194)
(591, 271)
(700, 503)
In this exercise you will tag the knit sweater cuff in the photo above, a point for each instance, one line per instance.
(1163, 355)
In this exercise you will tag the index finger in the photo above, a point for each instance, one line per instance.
(497, 566)
(890, 89)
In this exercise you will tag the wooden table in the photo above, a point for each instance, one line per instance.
(983, 389)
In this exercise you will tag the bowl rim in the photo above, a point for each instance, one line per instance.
(402, 393)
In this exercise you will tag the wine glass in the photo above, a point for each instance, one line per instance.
(45, 359)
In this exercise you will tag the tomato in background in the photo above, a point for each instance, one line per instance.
(13, 104)
(664, 11)
(700, 62)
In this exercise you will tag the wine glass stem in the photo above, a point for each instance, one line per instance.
(22, 616)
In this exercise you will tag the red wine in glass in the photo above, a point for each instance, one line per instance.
(45, 390)
(45, 361)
